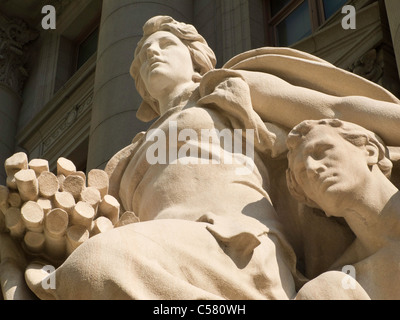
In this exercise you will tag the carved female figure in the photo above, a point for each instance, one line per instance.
(191, 242)
(206, 232)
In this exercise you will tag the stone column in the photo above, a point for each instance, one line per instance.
(114, 123)
(235, 20)
(393, 10)
(14, 36)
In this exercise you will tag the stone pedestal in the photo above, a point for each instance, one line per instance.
(116, 101)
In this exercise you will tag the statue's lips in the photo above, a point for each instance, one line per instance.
(327, 181)
(154, 62)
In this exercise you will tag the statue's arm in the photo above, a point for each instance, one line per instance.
(278, 101)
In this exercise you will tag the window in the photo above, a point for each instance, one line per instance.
(87, 48)
(276, 6)
(79, 155)
(73, 53)
(295, 26)
(330, 7)
(78, 41)
(292, 20)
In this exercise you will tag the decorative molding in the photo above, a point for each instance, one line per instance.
(235, 23)
(64, 121)
(15, 35)
(60, 5)
(63, 124)
(62, 127)
(370, 65)
(342, 47)
(392, 10)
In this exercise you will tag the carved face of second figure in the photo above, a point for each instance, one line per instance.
(329, 169)
(166, 63)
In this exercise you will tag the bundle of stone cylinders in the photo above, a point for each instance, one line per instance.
(53, 214)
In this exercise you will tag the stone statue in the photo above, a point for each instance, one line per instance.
(206, 181)
(344, 170)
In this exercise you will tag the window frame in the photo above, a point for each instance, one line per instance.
(317, 17)
(83, 36)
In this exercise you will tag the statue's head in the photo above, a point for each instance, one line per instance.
(202, 57)
(331, 160)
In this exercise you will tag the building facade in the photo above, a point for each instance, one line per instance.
(67, 92)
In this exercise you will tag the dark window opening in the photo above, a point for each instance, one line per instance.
(290, 21)
(87, 48)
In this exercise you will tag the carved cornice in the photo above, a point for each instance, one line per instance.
(64, 122)
(72, 116)
(59, 5)
(15, 35)
(342, 47)
(370, 65)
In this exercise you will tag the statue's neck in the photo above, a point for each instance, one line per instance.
(178, 96)
(375, 219)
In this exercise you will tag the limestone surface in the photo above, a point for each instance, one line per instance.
(233, 193)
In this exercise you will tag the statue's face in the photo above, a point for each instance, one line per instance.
(329, 169)
(165, 62)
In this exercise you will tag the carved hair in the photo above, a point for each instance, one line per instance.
(356, 135)
(203, 58)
